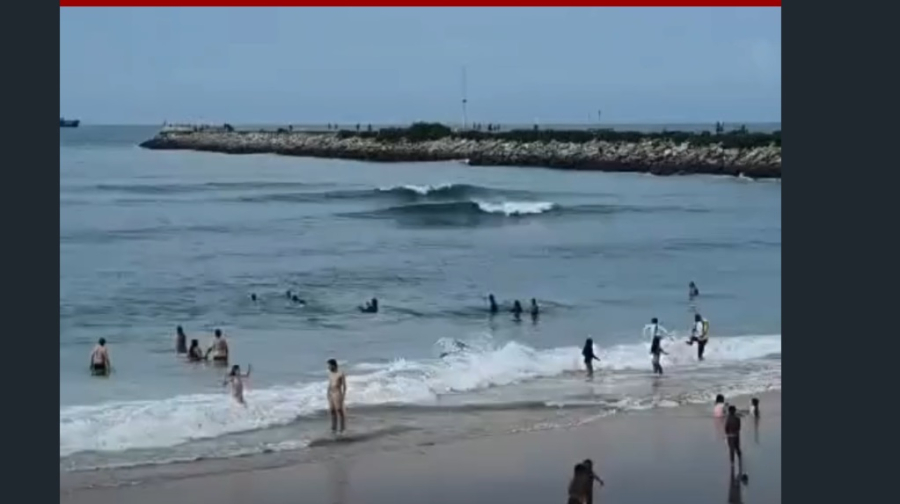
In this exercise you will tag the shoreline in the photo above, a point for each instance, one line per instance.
(680, 449)
(750, 155)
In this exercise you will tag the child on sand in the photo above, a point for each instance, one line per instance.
(733, 435)
(592, 477)
(236, 379)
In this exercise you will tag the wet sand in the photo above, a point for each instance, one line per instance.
(664, 455)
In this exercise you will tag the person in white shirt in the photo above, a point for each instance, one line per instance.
(656, 333)
(699, 335)
(653, 329)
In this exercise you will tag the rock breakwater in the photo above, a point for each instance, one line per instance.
(752, 155)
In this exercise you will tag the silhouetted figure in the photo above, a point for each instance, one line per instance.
(589, 357)
(517, 310)
(180, 340)
(370, 307)
(297, 300)
(535, 311)
(493, 304)
(253, 297)
(693, 291)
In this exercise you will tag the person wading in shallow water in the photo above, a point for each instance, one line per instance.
(180, 340)
(219, 349)
(699, 335)
(337, 392)
(588, 353)
(100, 363)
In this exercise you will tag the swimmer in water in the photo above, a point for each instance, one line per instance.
(194, 354)
(180, 340)
(535, 311)
(337, 392)
(253, 297)
(588, 353)
(370, 307)
(693, 291)
(517, 310)
(699, 335)
(100, 363)
(493, 304)
(236, 379)
(296, 299)
(218, 349)
(591, 478)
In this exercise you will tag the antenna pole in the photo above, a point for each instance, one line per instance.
(465, 99)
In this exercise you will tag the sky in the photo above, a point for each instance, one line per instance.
(398, 65)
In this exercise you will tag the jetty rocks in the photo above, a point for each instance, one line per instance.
(736, 153)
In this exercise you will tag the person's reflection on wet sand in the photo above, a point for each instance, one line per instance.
(756, 430)
(338, 480)
(735, 487)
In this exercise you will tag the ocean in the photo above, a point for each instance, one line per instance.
(150, 240)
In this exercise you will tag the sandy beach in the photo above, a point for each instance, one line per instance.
(675, 454)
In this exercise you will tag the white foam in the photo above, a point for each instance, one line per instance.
(118, 426)
(419, 189)
(510, 208)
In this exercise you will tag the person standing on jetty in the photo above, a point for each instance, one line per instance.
(180, 341)
(218, 349)
(100, 363)
(337, 392)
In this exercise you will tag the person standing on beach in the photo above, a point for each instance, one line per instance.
(337, 392)
(588, 353)
(693, 291)
(591, 478)
(218, 349)
(699, 335)
(579, 484)
(100, 363)
(733, 435)
(180, 341)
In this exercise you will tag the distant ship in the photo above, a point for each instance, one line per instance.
(68, 123)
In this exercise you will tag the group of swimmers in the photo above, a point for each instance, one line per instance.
(516, 310)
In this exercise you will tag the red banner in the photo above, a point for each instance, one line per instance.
(412, 3)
